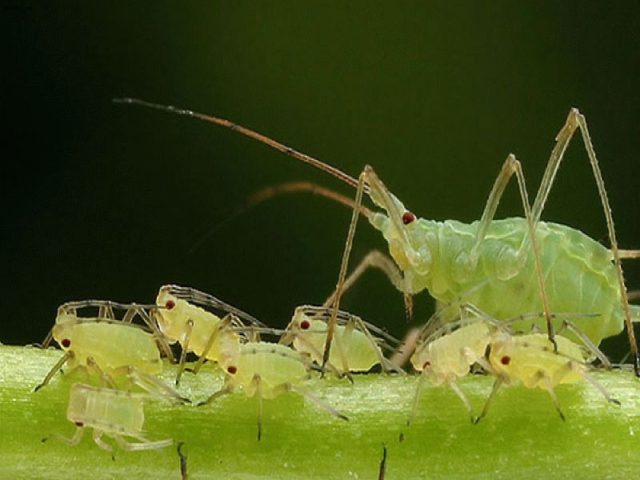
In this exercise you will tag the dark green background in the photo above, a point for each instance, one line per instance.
(107, 201)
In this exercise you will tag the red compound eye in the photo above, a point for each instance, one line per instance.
(305, 325)
(66, 343)
(232, 370)
(506, 360)
(170, 304)
(408, 217)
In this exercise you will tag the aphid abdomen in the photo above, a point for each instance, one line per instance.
(112, 411)
(359, 351)
(113, 346)
(579, 275)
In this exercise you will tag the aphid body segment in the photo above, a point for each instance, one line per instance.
(114, 413)
(355, 349)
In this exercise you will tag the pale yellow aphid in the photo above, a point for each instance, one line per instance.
(109, 347)
(266, 370)
(182, 320)
(114, 413)
(355, 349)
(531, 360)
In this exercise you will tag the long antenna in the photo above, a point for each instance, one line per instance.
(339, 174)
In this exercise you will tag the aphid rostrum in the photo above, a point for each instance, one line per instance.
(533, 265)
(115, 413)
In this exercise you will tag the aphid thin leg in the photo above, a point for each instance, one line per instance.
(406, 348)
(185, 349)
(373, 259)
(152, 384)
(224, 323)
(258, 393)
(387, 366)
(184, 475)
(47, 340)
(552, 393)
(287, 339)
(629, 254)
(587, 343)
(510, 167)
(160, 338)
(73, 441)
(105, 310)
(454, 386)
(344, 264)
(416, 399)
(223, 391)
(58, 365)
(383, 463)
(600, 388)
(143, 445)
(97, 438)
(92, 366)
(576, 120)
(320, 403)
(496, 386)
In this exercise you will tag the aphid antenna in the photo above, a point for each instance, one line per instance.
(302, 157)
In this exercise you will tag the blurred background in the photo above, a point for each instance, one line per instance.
(110, 201)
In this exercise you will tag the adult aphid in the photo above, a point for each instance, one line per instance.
(532, 265)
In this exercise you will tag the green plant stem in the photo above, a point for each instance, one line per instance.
(522, 437)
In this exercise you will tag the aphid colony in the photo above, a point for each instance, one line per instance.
(123, 345)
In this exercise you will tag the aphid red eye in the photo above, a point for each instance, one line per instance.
(506, 360)
(305, 325)
(408, 217)
(79, 424)
(170, 304)
(232, 370)
(66, 343)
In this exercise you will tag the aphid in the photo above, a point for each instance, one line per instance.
(265, 370)
(197, 330)
(355, 348)
(115, 413)
(532, 265)
(531, 359)
(109, 347)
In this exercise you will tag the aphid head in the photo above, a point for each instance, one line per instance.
(170, 317)
(421, 359)
(62, 333)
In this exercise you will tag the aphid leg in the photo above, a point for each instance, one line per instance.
(416, 399)
(97, 438)
(224, 323)
(185, 349)
(549, 388)
(73, 441)
(144, 444)
(383, 463)
(454, 386)
(375, 259)
(576, 120)
(160, 338)
(496, 386)
(258, 393)
(105, 310)
(344, 264)
(151, 384)
(629, 255)
(223, 391)
(47, 340)
(184, 475)
(510, 167)
(319, 402)
(59, 364)
(587, 343)
(600, 388)
(93, 367)
(406, 348)
(387, 365)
